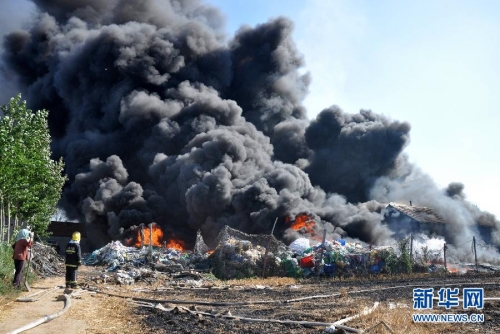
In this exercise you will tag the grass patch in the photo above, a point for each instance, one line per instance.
(7, 271)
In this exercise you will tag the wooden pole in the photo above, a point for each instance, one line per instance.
(367, 265)
(411, 248)
(264, 265)
(151, 239)
(274, 225)
(322, 246)
(142, 235)
(475, 253)
(444, 256)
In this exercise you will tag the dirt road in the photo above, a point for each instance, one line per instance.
(89, 313)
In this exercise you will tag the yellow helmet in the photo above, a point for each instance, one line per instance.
(76, 236)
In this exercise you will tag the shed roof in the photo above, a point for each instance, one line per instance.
(421, 214)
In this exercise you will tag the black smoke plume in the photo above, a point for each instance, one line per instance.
(160, 118)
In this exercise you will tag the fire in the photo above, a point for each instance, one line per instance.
(176, 244)
(146, 231)
(457, 269)
(302, 223)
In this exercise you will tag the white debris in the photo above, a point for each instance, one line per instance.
(300, 245)
(193, 283)
(330, 329)
(397, 305)
(130, 276)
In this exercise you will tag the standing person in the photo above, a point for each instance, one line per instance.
(73, 260)
(24, 241)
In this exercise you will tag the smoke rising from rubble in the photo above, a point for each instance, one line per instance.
(159, 118)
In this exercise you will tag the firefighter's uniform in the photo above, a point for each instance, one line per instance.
(73, 260)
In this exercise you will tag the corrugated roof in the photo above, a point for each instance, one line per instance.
(421, 214)
(66, 229)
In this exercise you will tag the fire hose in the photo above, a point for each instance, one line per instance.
(47, 318)
(36, 296)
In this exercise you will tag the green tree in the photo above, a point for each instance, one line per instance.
(404, 258)
(30, 181)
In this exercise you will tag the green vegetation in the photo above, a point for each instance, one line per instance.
(6, 268)
(395, 264)
(405, 260)
(30, 181)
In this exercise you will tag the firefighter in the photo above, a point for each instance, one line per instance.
(73, 260)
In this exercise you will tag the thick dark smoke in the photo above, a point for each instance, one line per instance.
(160, 119)
(352, 151)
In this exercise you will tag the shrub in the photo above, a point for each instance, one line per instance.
(6, 268)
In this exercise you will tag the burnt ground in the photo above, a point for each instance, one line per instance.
(99, 312)
(328, 309)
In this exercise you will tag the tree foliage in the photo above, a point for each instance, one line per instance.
(30, 181)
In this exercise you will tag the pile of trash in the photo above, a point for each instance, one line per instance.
(329, 258)
(130, 264)
(337, 258)
(115, 254)
(46, 261)
(130, 276)
(241, 255)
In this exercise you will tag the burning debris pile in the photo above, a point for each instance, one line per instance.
(241, 255)
(237, 255)
(132, 263)
(140, 236)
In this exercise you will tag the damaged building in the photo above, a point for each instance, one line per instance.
(406, 219)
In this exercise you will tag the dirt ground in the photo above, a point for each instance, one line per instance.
(100, 312)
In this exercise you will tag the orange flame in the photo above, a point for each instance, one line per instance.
(302, 223)
(157, 236)
(176, 244)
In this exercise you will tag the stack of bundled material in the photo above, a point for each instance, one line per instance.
(46, 261)
(241, 255)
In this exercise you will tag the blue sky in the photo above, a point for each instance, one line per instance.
(434, 64)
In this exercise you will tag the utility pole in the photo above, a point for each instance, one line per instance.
(444, 255)
(411, 248)
(475, 253)
(142, 235)
(322, 247)
(150, 243)
(151, 237)
(264, 265)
